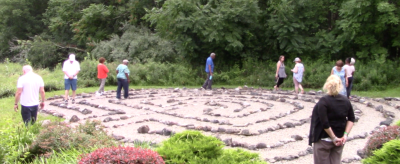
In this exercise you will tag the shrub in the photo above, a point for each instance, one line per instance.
(238, 156)
(390, 153)
(190, 146)
(58, 136)
(121, 155)
(398, 123)
(380, 137)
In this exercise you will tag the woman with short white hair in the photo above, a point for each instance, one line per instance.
(331, 121)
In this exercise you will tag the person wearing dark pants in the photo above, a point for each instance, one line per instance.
(29, 86)
(280, 74)
(122, 83)
(123, 79)
(350, 69)
(209, 70)
(29, 114)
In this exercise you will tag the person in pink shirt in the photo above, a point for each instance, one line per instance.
(102, 71)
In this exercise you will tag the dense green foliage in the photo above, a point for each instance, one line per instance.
(194, 147)
(247, 36)
(234, 29)
(390, 153)
(189, 146)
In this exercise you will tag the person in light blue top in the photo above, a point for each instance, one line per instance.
(298, 71)
(338, 70)
(123, 79)
(209, 70)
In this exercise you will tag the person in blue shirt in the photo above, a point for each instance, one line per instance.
(210, 70)
(123, 79)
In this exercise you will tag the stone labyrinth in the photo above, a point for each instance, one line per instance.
(273, 124)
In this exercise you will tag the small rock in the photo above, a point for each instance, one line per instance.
(117, 137)
(221, 130)
(214, 130)
(124, 117)
(108, 119)
(228, 141)
(74, 118)
(297, 137)
(261, 146)
(143, 129)
(387, 122)
(166, 132)
(245, 132)
(232, 131)
(207, 128)
(289, 125)
(361, 153)
(379, 108)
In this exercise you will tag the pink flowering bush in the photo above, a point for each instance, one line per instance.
(122, 155)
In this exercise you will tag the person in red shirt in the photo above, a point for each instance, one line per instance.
(102, 71)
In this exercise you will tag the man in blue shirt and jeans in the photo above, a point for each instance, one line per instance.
(209, 69)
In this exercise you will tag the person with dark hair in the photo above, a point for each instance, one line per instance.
(280, 74)
(331, 122)
(350, 69)
(209, 70)
(339, 71)
(102, 71)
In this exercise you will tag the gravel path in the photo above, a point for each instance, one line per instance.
(244, 118)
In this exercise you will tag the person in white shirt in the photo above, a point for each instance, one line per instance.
(71, 69)
(29, 86)
(350, 69)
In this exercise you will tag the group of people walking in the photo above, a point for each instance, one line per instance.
(332, 117)
(344, 72)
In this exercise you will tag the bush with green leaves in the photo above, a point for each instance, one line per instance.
(241, 156)
(194, 147)
(57, 136)
(189, 146)
(389, 153)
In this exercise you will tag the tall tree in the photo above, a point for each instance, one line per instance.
(20, 19)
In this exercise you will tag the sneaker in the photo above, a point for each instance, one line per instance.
(73, 101)
(98, 94)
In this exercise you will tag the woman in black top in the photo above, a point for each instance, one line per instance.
(331, 122)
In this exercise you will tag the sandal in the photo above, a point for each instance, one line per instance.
(73, 101)
(65, 100)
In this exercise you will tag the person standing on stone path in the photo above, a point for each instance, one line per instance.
(71, 69)
(209, 70)
(339, 71)
(280, 74)
(331, 122)
(102, 71)
(123, 79)
(298, 71)
(350, 69)
(29, 86)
